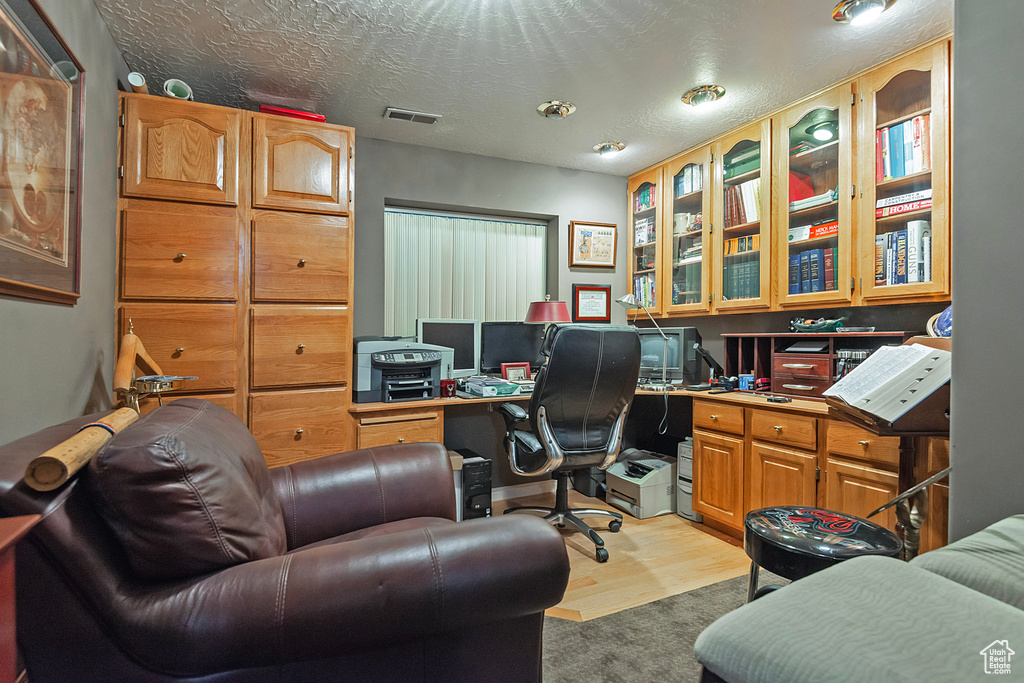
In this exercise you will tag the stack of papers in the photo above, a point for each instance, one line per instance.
(491, 386)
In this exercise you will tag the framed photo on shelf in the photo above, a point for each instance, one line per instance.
(42, 100)
(591, 303)
(515, 372)
(592, 244)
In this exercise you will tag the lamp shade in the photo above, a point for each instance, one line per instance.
(548, 311)
(627, 300)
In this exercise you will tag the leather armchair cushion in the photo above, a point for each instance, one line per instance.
(187, 491)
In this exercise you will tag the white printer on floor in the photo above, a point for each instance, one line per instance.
(642, 483)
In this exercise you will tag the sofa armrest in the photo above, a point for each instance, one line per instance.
(333, 495)
(335, 599)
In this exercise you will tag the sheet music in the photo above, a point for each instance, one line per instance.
(878, 369)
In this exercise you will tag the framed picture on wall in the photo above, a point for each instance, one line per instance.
(592, 244)
(591, 303)
(42, 101)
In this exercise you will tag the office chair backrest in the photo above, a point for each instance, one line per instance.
(587, 381)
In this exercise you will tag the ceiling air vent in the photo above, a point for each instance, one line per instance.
(408, 115)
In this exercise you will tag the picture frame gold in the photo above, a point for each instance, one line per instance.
(592, 245)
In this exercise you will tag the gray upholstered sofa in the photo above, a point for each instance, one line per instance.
(948, 615)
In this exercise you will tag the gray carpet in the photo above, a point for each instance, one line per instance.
(652, 643)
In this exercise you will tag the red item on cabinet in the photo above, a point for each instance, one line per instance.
(294, 113)
(799, 186)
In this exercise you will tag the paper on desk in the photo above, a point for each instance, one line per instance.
(877, 369)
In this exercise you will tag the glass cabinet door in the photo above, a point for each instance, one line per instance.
(904, 208)
(742, 220)
(687, 247)
(645, 247)
(813, 241)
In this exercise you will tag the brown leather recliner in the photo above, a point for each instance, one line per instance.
(178, 556)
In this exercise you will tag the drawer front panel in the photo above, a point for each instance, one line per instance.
(300, 260)
(784, 428)
(423, 429)
(801, 366)
(171, 254)
(799, 386)
(189, 339)
(299, 345)
(298, 425)
(720, 417)
(229, 401)
(850, 440)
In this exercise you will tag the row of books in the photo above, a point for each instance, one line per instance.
(644, 231)
(904, 256)
(739, 245)
(686, 284)
(812, 270)
(690, 179)
(643, 289)
(743, 203)
(903, 203)
(741, 277)
(645, 198)
(826, 228)
(742, 162)
(903, 149)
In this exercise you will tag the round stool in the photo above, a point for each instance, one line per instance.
(794, 541)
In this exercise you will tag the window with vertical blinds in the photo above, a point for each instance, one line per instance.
(454, 266)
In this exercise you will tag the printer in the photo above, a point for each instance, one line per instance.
(642, 483)
(391, 371)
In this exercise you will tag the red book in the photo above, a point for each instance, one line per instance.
(903, 208)
(879, 165)
(830, 269)
(294, 113)
(926, 142)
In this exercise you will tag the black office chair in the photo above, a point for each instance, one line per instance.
(577, 413)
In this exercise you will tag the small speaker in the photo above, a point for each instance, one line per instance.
(476, 487)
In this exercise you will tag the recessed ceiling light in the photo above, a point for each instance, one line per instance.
(859, 12)
(609, 149)
(703, 94)
(556, 109)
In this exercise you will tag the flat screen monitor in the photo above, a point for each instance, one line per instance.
(510, 343)
(462, 336)
(683, 363)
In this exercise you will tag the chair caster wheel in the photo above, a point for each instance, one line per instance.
(614, 525)
(602, 555)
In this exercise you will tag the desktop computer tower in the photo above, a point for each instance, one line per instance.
(684, 481)
(476, 486)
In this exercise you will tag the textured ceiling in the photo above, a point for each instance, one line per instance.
(485, 65)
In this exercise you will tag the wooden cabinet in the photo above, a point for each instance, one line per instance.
(299, 345)
(299, 425)
(645, 255)
(781, 476)
(180, 150)
(412, 426)
(300, 258)
(229, 401)
(718, 477)
(686, 265)
(300, 165)
(858, 488)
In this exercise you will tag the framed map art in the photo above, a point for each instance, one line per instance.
(42, 98)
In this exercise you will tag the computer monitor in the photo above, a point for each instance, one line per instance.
(463, 336)
(511, 342)
(683, 362)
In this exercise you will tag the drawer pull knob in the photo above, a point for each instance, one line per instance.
(798, 387)
(299, 431)
(180, 256)
(797, 365)
(180, 349)
(302, 262)
(401, 439)
(713, 417)
(777, 428)
(863, 443)
(302, 346)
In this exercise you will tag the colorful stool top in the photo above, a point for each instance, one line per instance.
(819, 532)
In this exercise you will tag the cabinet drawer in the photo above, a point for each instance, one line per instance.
(300, 258)
(189, 339)
(799, 386)
(801, 366)
(784, 428)
(229, 401)
(857, 490)
(720, 417)
(847, 439)
(179, 252)
(298, 425)
(299, 345)
(392, 429)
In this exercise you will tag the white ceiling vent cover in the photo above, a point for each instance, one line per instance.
(409, 115)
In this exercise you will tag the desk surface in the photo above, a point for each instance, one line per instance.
(432, 403)
(746, 399)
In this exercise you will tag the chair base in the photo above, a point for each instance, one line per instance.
(562, 514)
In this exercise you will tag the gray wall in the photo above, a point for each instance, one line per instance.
(988, 240)
(56, 361)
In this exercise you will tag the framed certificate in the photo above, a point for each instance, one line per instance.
(591, 303)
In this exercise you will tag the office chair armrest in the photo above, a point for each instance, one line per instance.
(513, 413)
(329, 496)
(348, 597)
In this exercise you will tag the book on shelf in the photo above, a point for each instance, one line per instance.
(645, 198)
(794, 273)
(823, 198)
(896, 146)
(811, 232)
(905, 198)
(816, 270)
(643, 231)
(919, 251)
(904, 255)
(805, 272)
(879, 162)
(886, 155)
(880, 262)
(909, 166)
(907, 207)
(893, 380)
(738, 245)
(903, 148)
(830, 269)
(901, 256)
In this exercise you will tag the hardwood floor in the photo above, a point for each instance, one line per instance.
(650, 559)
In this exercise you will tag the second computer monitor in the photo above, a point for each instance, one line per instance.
(682, 362)
(510, 342)
(462, 336)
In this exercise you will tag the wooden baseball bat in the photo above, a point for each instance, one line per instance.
(132, 353)
(57, 465)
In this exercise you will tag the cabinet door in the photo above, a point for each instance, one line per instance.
(718, 477)
(780, 476)
(179, 251)
(813, 245)
(858, 489)
(174, 149)
(687, 248)
(395, 428)
(300, 258)
(298, 425)
(742, 209)
(299, 345)
(645, 247)
(300, 165)
(904, 209)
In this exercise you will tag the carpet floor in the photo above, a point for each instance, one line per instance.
(652, 643)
